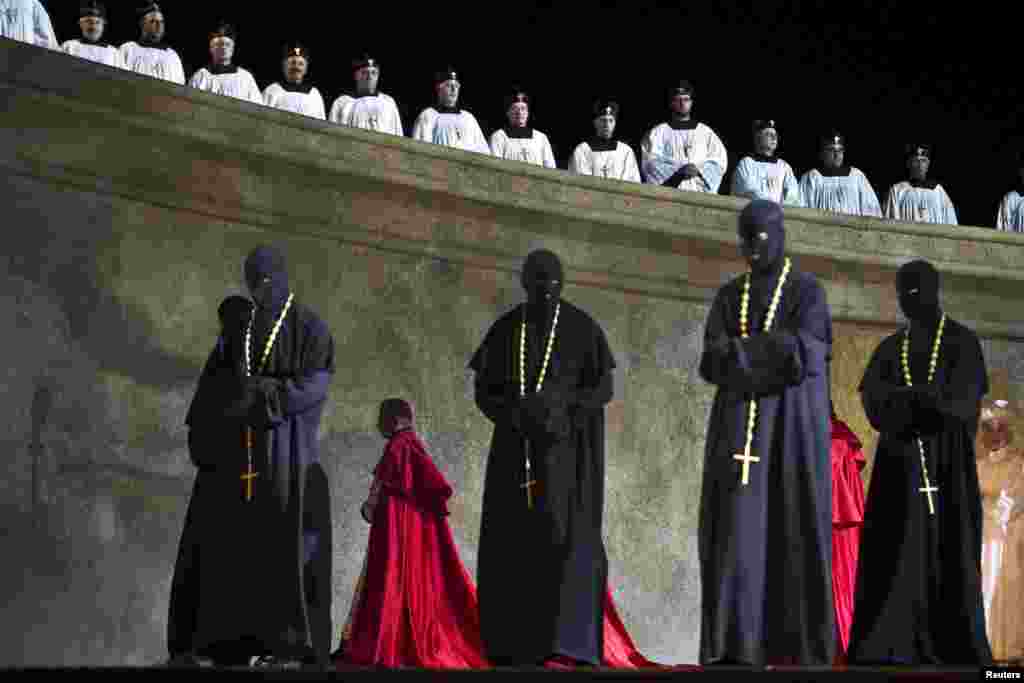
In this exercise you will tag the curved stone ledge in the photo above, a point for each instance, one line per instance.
(241, 162)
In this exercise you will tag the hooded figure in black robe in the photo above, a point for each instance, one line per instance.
(766, 546)
(252, 579)
(918, 597)
(541, 565)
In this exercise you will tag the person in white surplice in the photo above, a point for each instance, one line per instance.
(92, 19)
(221, 76)
(367, 107)
(762, 175)
(27, 21)
(920, 199)
(151, 55)
(838, 187)
(683, 152)
(447, 124)
(1010, 217)
(603, 155)
(519, 141)
(294, 94)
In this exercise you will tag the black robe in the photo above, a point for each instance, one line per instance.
(766, 548)
(254, 577)
(542, 573)
(918, 597)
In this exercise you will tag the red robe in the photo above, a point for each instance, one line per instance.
(415, 604)
(847, 519)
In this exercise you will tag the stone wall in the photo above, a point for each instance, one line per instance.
(130, 205)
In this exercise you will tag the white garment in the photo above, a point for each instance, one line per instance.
(158, 62)
(850, 194)
(619, 163)
(459, 130)
(104, 53)
(535, 149)
(373, 112)
(309, 103)
(27, 21)
(920, 204)
(665, 150)
(1011, 213)
(239, 83)
(772, 180)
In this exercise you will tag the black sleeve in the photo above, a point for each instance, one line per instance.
(889, 405)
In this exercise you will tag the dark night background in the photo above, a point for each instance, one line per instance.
(883, 75)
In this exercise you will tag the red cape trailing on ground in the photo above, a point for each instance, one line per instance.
(415, 603)
(847, 520)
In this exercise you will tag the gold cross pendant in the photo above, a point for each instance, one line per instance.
(928, 490)
(529, 493)
(746, 458)
(248, 476)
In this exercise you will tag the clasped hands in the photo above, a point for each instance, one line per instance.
(264, 387)
(255, 395)
(922, 396)
(689, 171)
(546, 414)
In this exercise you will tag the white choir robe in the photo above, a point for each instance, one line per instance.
(766, 179)
(1011, 212)
(236, 82)
(609, 160)
(845, 191)
(373, 112)
(535, 149)
(458, 129)
(158, 61)
(300, 100)
(664, 150)
(27, 21)
(920, 203)
(104, 53)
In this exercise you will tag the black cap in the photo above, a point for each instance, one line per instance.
(148, 8)
(516, 95)
(832, 139)
(296, 49)
(681, 88)
(223, 29)
(606, 106)
(92, 9)
(917, 149)
(364, 60)
(446, 74)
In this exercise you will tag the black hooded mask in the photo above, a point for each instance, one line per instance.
(234, 313)
(542, 279)
(762, 237)
(267, 278)
(762, 243)
(917, 284)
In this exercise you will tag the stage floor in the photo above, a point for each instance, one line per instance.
(675, 673)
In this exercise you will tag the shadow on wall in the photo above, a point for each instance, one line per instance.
(90, 537)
